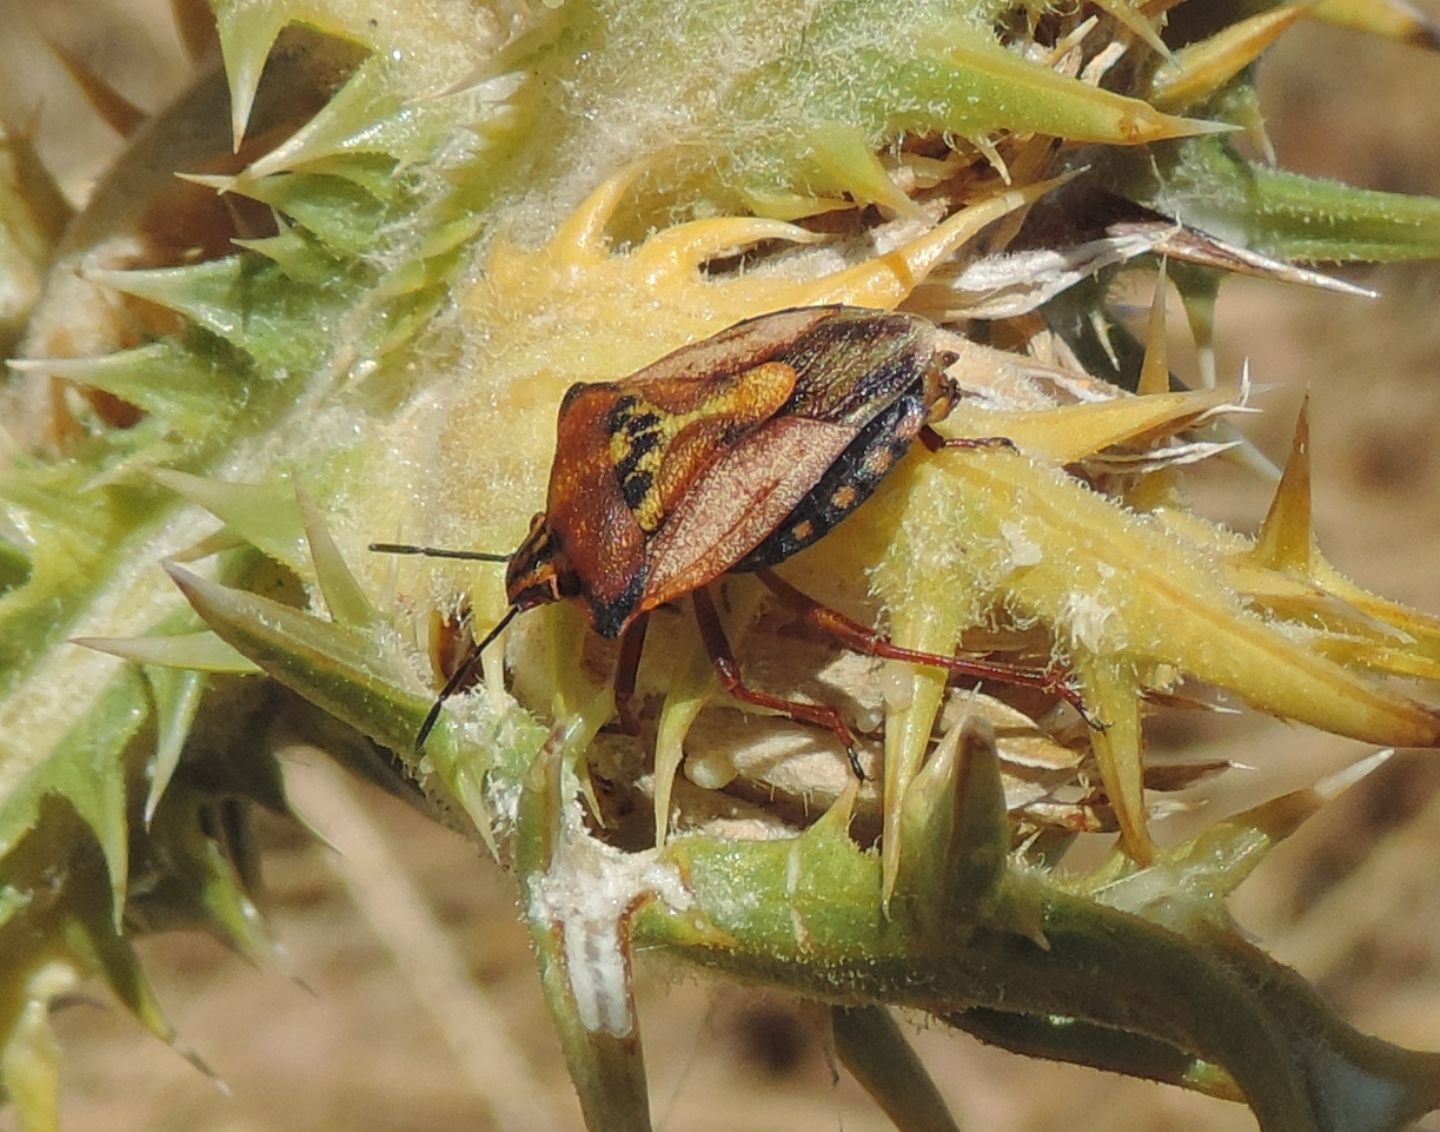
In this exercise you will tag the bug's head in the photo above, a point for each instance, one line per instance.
(536, 575)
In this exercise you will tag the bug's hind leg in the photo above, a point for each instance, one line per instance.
(868, 642)
(713, 634)
(935, 442)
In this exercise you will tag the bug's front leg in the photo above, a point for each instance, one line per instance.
(713, 634)
(626, 668)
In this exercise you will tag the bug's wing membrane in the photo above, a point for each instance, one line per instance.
(736, 349)
(737, 501)
(666, 479)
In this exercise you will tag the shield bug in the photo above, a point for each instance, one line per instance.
(730, 455)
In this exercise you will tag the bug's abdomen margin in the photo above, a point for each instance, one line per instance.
(850, 481)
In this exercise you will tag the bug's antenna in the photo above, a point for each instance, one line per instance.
(460, 675)
(438, 552)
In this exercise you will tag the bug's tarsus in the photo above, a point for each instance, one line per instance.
(626, 669)
(713, 634)
(936, 443)
(437, 552)
(460, 675)
(1071, 695)
(868, 642)
(1062, 684)
(1059, 681)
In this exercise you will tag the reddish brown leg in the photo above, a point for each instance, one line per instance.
(713, 634)
(935, 442)
(626, 667)
(868, 642)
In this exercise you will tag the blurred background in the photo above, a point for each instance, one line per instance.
(411, 1003)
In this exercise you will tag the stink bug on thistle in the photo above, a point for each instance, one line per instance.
(730, 455)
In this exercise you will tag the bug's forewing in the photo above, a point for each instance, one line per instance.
(665, 480)
(629, 452)
(855, 364)
(738, 500)
(858, 374)
(739, 347)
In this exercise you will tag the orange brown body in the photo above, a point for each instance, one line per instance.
(728, 455)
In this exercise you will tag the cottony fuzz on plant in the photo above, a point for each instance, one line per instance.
(336, 294)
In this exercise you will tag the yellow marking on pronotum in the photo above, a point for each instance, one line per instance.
(749, 397)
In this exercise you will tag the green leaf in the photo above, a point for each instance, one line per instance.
(340, 670)
(177, 698)
(202, 652)
(265, 514)
(1207, 995)
(240, 300)
(871, 1046)
(1287, 215)
(334, 667)
(87, 768)
(165, 381)
(1100, 1047)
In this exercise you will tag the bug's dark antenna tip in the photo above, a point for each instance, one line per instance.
(855, 768)
(459, 676)
(432, 717)
(438, 552)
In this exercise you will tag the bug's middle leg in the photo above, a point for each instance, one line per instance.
(935, 442)
(713, 634)
(626, 668)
